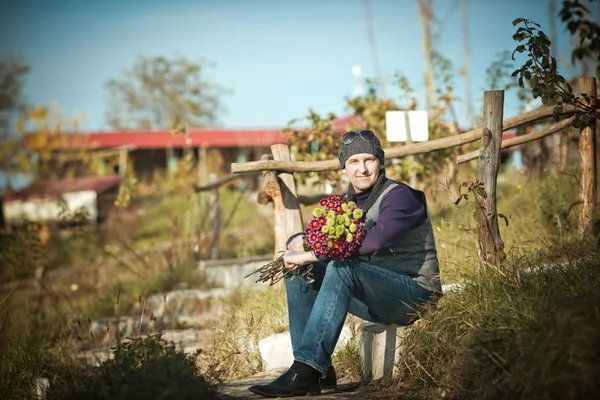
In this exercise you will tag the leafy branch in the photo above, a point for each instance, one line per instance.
(540, 70)
(573, 13)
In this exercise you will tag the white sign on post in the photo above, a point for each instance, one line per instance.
(407, 126)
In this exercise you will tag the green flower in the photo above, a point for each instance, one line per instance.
(345, 207)
(347, 221)
(357, 213)
(317, 212)
(330, 220)
(325, 229)
(351, 204)
(353, 228)
(339, 219)
(339, 230)
(349, 238)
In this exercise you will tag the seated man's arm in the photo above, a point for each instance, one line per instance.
(400, 211)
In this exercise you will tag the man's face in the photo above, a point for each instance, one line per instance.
(362, 170)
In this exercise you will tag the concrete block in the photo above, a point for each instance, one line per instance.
(185, 341)
(276, 351)
(379, 347)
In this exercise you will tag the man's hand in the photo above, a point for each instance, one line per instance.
(294, 259)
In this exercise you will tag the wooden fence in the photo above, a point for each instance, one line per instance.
(281, 187)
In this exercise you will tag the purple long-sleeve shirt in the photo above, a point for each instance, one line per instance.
(400, 210)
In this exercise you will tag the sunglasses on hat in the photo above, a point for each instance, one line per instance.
(366, 135)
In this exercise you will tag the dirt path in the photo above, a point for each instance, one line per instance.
(239, 389)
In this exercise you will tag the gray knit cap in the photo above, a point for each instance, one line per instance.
(358, 146)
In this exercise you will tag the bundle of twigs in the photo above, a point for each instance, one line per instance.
(276, 270)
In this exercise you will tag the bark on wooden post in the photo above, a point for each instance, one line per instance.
(288, 219)
(273, 193)
(490, 244)
(587, 161)
(215, 214)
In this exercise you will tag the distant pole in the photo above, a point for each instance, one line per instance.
(357, 75)
(555, 142)
(466, 61)
(426, 13)
(374, 58)
(216, 220)
(123, 161)
(411, 159)
(202, 166)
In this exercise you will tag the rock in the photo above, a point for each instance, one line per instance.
(185, 341)
(276, 350)
(182, 303)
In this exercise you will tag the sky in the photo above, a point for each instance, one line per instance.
(277, 58)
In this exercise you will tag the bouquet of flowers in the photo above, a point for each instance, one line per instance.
(335, 231)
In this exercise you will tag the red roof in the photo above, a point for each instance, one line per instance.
(160, 139)
(55, 189)
(350, 121)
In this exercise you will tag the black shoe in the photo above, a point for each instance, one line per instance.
(329, 381)
(289, 384)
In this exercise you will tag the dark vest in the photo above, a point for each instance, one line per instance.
(414, 254)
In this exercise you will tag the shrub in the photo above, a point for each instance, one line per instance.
(142, 368)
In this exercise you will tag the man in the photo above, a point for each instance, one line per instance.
(395, 270)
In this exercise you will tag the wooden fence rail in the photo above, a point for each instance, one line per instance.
(397, 152)
(282, 187)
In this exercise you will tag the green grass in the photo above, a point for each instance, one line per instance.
(535, 210)
(513, 335)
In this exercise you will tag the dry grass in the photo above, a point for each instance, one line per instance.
(248, 316)
(513, 335)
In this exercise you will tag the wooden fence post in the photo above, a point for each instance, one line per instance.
(490, 244)
(215, 216)
(587, 161)
(288, 219)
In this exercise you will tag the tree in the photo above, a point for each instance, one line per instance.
(426, 14)
(466, 60)
(12, 74)
(540, 68)
(540, 71)
(163, 93)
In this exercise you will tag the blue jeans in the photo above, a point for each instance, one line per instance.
(317, 310)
